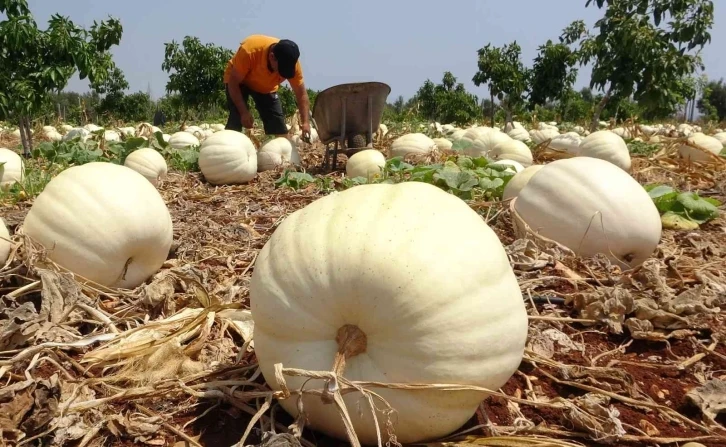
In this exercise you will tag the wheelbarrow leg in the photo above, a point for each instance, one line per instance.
(342, 135)
(369, 139)
(326, 159)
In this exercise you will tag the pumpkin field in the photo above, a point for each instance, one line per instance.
(543, 266)
(590, 315)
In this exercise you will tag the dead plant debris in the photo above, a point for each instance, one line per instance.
(613, 358)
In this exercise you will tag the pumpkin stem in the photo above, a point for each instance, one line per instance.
(351, 342)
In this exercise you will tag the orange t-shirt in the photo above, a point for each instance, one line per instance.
(250, 61)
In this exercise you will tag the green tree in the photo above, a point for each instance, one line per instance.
(198, 72)
(112, 88)
(553, 72)
(713, 101)
(35, 63)
(502, 70)
(633, 55)
(452, 103)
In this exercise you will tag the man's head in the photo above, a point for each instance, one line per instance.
(284, 56)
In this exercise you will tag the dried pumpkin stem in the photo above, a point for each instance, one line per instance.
(351, 342)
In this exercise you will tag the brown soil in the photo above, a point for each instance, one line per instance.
(219, 232)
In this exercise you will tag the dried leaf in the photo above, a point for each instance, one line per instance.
(710, 399)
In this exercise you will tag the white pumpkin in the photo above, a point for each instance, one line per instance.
(368, 260)
(519, 134)
(520, 179)
(79, 132)
(443, 143)
(622, 132)
(217, 127)
(512, 165)
(92, 127)
(5, 244)
(509, 149)
(53, 135)
(568, 142)
(104, 222)
(228, 157)
(591, 206)
(149, 163)
(721, 137)
(277, 152)
(540, 136)
(412, 143)
(181, 140)
(709, 143)
(12, 168)
(482, 141)
(606, 145)
(365, 163)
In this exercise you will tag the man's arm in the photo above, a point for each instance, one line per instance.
(303, 102)
(236, 76)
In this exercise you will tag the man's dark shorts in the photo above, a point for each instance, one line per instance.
(268, 105)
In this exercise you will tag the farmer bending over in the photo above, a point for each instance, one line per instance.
(260, 65)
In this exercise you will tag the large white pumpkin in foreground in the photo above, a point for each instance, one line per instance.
(228, 157)
(12, 168)
(608, 146)
(591, 206)
(277, 152)
(365, 163)
(149, 163)
(104, 222)
(373, 257)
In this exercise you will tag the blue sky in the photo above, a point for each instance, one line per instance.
(337, 38)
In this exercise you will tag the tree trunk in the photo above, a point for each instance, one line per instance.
(509, 118)
(598, 110)
(491, 111)
(26, 138)
(693, 107)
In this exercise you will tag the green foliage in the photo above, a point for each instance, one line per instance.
(198, 72)
(289, 103)
(643, 148)
(465, 177)
(713, 102)
(633, 55)
(554, 72)
(448, 102)
(34, 62)
(682, 210)
(502, 70)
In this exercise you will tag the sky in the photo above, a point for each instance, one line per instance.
(338, 40)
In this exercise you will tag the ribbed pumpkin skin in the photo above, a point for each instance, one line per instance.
(608, 146)
(434, 309)
(365, 163)
(228, 157)
(572, 200)
(98, 217)
(149, 163)
(13, 169)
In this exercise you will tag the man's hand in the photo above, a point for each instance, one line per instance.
(306, 132)
(248, 121)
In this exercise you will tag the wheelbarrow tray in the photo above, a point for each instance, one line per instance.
(344, 110)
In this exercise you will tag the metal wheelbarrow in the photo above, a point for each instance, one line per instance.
(346, 116)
